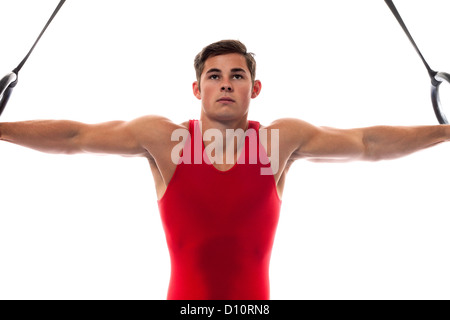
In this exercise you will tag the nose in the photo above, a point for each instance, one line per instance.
(226, 89)
(226, 86)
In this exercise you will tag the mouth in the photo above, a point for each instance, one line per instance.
(225, 100)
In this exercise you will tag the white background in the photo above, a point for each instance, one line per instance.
(88, 227)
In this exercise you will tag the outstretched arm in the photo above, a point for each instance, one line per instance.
(131, 138)
(371, 143)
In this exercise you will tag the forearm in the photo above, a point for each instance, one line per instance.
(383, 142)
(49, 136)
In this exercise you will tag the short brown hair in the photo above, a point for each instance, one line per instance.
(220, 48)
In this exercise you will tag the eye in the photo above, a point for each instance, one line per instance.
(214, 77)
(238, 77)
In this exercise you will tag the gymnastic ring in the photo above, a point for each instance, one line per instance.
(7, 84)
(438, 110)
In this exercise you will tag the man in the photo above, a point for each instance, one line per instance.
(218, 209)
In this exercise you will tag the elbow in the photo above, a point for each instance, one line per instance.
(375, 152)
(371, 158)
(369, 152)
(74, 143)
(369, 155)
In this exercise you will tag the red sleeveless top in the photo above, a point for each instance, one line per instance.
(220, 225)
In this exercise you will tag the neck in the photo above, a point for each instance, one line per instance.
(230, 145)
(223, 125)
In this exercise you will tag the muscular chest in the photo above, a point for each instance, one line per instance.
(163, 167)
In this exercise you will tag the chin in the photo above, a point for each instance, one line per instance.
(224, 113)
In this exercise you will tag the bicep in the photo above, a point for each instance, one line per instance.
(114, 137)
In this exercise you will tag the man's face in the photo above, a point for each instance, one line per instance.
(226, 87)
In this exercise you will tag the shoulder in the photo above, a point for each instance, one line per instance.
(292, 129)
(154, 132)
(287, 124)
(155, 125)
(159, 121)
(291, 134)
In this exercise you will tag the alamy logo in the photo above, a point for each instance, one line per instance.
(233, 140)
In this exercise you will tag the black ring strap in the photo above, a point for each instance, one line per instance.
(8, 82)
(17, 69)
(391, 6)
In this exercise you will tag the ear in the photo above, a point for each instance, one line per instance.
(256, 89)
(196, 90)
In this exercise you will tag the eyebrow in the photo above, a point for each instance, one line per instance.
(238, 70)
(215, 70)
